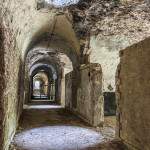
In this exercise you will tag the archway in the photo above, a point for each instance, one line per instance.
(43, 80)
(43, 86)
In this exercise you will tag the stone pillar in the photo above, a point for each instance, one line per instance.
(90, 101)
(84, 93)
(63, 89)
(68, 91)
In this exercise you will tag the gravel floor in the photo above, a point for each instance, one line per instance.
(54, 128)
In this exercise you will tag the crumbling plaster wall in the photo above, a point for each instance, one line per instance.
(105, 51)
(133, 96)
(106, 27)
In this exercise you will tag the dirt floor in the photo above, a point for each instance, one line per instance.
(54, 128)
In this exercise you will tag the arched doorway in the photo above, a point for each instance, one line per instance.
(40, 86)
(43, 86)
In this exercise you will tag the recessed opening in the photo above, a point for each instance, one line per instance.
(109, 103)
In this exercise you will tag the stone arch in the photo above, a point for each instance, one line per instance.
(50, 77)
(58, 30)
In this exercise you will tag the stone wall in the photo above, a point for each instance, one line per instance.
(10, 85)
(2, 84)
(68, 90)
(89, 94)
(71, 86)
(105, 51)
(88, 98)
(133, 95)
(106, 27)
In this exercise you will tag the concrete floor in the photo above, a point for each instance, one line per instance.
(54, 128)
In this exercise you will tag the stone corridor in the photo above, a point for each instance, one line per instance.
(51, 127)
(74, 75)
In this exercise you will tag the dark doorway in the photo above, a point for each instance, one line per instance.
(109, 103)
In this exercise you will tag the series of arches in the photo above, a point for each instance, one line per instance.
(44, 52)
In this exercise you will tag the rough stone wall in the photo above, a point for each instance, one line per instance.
(105, 51)
(89, 94)
(72, 84)
(104, 27)
(88, 101)
(2, 84)
(106, 22)
(24, 18)
(68, 91)
(133, 95)
(11, 91)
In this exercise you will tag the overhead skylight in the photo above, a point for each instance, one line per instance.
(61, 2)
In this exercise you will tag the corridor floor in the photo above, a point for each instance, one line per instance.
(54, 128)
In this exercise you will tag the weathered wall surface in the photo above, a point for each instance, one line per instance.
(106, 27)
(36, 23)
(2, 84)
(11, 79)
(133, 95)
(88, 101)
(68, 90)
(89, 94)
(71, 86)
(63, 91)
(105, 51)
(24, 24)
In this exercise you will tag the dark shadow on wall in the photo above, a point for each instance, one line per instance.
(109, 103)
